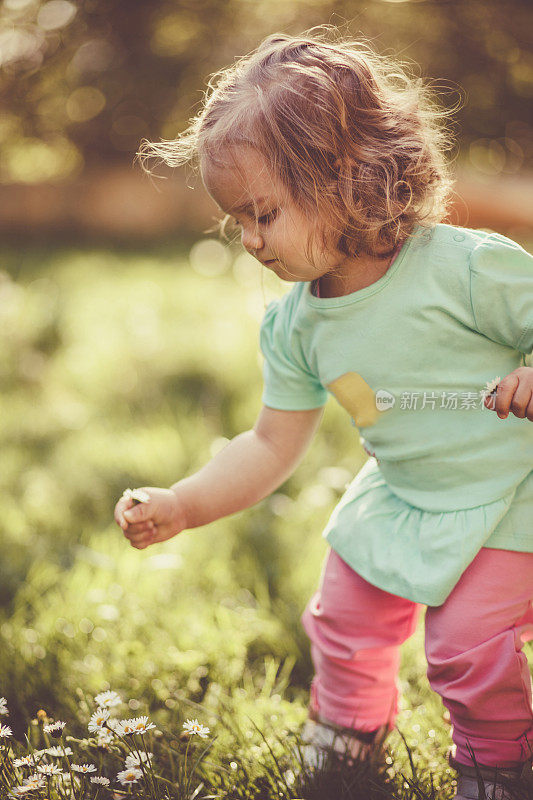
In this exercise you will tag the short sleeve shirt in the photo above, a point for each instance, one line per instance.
(410, 356)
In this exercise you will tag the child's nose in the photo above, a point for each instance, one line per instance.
(251, 239)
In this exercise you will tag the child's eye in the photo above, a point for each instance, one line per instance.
(266, 219)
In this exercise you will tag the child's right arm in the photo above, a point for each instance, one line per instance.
(248, 469)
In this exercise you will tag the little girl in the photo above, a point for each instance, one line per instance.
(330, 160)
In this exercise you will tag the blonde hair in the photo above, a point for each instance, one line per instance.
(351, 135)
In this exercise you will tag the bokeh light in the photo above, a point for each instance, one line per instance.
(56, 14)
(209, 257)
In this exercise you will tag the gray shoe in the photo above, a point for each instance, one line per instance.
(488, 782)
(322, 740)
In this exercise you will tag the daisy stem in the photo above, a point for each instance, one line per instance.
(201, 756)
(7, 764)
(149, 781)
(150, 766)
(72, 792)
(187, 781)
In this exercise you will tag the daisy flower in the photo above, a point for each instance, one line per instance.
(490, 388)
(107, 700)
(135, 759)
(128, 776)
(84, 768)
(34, 777)
(5, 731)
(192, 726)
(36, 781)
(100, 780)
(25, 761)
(55, 728)
(49, 769)
(493, 384)
(59, 752)
(104, 738)
(97, 720)
(29, 785)
(3, 707)
(137, 495)
(135, 725)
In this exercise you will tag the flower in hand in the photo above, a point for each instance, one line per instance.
(150, 515)
(513, 394)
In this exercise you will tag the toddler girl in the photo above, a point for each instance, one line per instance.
(330, 160)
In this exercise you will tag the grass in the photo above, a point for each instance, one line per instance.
(123, 369)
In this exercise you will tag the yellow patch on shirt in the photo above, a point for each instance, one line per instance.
(356, 396)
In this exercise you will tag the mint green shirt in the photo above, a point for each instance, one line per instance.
(409, 357)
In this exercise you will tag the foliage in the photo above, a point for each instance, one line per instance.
(122, 369)
(86, 81)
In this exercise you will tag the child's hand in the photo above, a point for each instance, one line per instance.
(157, 519)
(514, 394)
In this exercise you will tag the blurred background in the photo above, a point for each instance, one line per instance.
(83, 82)
(128, 346)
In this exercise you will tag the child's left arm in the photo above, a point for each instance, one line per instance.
(514, 394)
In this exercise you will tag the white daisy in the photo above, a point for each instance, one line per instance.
(493, 384)
(137, 495)
(59, 752)
(29, 785)
(54, 727)
(97, 720)
(135, 725)
(130, 775)
(49, 769)
(100, 780)
(34, 777)
(104, 738)
(490, 387)
(5, 731)
(192, 726)
(26, 761)
(3, 707)
(84, 768)
(107, 699)
(135, 759)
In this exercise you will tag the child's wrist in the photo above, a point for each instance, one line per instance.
(185, 516)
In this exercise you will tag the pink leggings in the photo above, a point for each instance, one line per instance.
(474, 644)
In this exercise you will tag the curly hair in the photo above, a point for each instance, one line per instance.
(351, 135)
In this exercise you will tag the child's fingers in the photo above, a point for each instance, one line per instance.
(123, 504)
(138, 513)
(529, 409)
(505, 393)
(520, 400)
(141, 542)
(140, 527)
(141, 537)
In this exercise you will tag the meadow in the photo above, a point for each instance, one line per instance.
(123, 368)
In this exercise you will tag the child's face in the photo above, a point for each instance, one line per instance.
(273, 228)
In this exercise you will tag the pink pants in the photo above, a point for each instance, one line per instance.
(474, 646)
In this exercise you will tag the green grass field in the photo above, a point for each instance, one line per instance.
(123, 369)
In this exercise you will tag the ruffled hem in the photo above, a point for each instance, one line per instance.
(407, 551)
